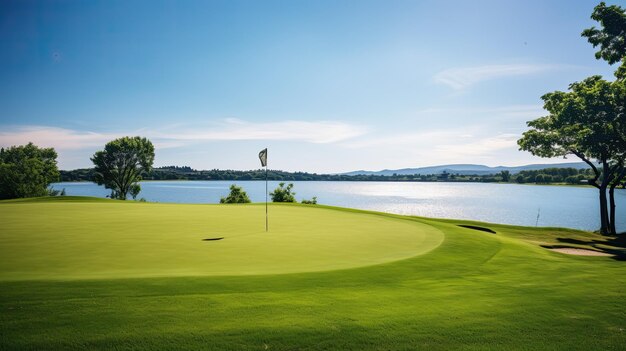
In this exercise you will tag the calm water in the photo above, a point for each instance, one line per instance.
(500, 203)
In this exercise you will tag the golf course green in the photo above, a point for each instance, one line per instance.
(86, 273)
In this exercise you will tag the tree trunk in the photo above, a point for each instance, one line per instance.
(605, 225)
(604, 218)
(615, 183)
(612, 209)
(600, 185)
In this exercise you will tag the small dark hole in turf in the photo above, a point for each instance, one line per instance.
(212, 239)
(475, 227)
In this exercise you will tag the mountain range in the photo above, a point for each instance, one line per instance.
(468, 169)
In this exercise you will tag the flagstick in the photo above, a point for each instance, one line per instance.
(266, 225)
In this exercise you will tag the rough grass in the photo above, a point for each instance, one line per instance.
(473, 291)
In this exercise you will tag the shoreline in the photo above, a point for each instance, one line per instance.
(342, 181)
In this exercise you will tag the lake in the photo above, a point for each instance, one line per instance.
(559, 206)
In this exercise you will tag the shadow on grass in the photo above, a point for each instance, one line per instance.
(475, 227)
(614, 245)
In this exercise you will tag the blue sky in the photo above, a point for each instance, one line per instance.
(328, 86)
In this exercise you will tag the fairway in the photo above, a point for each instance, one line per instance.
(110, 275)
(109, 239)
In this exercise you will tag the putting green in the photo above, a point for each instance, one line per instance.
(111, 239)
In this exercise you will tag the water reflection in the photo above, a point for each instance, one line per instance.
(559, 206)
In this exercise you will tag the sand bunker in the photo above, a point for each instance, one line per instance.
(580, 252)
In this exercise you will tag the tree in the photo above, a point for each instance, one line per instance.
(612, 37)
(313, 201)
(26, 171)
(283, 194)
(582, 122)
(120, 165)
(506, 176)
(612, 41)
(236, 196)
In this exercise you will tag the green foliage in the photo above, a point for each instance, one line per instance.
(555, 175)
(134, 190)
(611, 37)
(505, 175)
(77, 175)
(120, 165)
(26, 171)
(313, 201)
(236, 196)
(589, 121)
(283, 194)
(580, 122)
(55, 192)
(186, 173)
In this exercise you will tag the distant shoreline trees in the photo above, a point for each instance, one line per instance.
(571, 176)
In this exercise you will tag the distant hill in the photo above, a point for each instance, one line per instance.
(468, 169)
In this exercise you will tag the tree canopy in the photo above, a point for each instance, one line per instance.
(120, 165)
(611, 37)
(26, 171)
(587, 121)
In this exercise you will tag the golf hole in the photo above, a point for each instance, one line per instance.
(212, 239)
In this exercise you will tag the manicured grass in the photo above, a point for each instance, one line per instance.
(461, 288)
(113, 239)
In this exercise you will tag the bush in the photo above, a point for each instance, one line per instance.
(236, 196)
(26, 171)
(313, 201)
(54, 192)
(283, 194)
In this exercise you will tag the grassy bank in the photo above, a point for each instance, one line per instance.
(101, 274)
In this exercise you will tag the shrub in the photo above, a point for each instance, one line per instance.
(26, 171)
(54, 192)
(236, 196)
(313, 201)
(283, 194)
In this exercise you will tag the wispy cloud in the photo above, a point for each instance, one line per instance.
(60, 138)
(462, 77)
(458, 142)
(234, 129)
(534, 110)
(480, 147)
(440, 146)
(175, 136)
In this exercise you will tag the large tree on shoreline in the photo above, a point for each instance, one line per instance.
(611, 38)
(120, 165)
(586, 122)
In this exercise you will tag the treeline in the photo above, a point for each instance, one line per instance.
(545, 176)
(555, 175)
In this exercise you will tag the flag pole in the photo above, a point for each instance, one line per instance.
(266, 223)
(263, 158)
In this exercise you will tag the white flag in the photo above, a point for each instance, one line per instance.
(263, 157)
